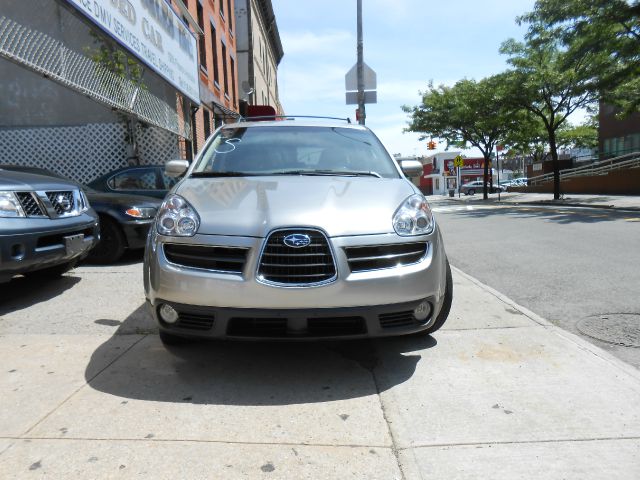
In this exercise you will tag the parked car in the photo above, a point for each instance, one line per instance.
(46, 225)
(472, 187)
(294, 230)
(125, 219)
(146, 180)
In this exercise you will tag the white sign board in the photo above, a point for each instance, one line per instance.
(368, 75)
(369, 97)
(152, 32)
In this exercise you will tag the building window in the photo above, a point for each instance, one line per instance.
(214, 49)
(225, 74)
(201, 39)
(230, 14)
(222, 9)
(207, 124)
(233, 80)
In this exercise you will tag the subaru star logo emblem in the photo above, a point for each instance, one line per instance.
(64, 202)
(297, 240)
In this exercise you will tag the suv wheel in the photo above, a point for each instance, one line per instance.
(471, 191)
(111, 245)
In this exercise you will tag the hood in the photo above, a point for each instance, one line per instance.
(22, 181)
(254, 206)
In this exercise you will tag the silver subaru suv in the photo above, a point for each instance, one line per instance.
(298, 230)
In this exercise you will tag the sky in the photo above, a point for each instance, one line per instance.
(406, 42)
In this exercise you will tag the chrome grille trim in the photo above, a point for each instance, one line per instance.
(309, 266)
(58, 206)
(213, 258)
(31, 205)
(366, 258)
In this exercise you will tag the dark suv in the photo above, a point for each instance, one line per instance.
(46, 224)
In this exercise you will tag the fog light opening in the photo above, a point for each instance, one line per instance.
(168, 313)
(422, 311)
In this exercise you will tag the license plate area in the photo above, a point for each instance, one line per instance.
(74, 244)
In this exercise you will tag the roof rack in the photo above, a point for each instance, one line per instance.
(289, 117)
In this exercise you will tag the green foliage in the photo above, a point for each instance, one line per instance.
(608, 28)
(469, 112)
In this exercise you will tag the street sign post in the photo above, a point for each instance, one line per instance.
(458, 162)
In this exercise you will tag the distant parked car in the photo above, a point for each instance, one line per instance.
(46, 224)
(147, 180)
(124, 218)
(472, 187)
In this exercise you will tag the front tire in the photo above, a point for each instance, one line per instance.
(111, 245)
(471, 192)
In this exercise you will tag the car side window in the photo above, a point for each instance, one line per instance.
(168, 181)
(139, 179)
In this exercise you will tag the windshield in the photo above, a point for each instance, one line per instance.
(295, 150)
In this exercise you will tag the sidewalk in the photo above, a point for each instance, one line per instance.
(618, 202)
(90, 392)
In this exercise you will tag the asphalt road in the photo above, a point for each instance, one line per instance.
(576, 267)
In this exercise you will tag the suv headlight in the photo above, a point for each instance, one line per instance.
(177, 218)
(10, 206)
(413, 217)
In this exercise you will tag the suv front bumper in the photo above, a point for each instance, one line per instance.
(213, 304)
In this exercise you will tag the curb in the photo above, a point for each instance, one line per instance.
(549, 203)
(572, 337)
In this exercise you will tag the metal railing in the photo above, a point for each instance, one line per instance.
(603, 167)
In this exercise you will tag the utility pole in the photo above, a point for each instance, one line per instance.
(360, 68)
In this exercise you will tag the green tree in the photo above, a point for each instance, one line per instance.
(468, 113)
(528, 137)
(544, 82)
(609, 27)
(579, 136)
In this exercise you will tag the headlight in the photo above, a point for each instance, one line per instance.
(141, 212)
(413, 217)
(10, 206)
(177, 218)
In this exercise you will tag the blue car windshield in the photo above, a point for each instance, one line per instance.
(295, 150)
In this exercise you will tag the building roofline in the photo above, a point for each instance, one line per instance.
(269, 20)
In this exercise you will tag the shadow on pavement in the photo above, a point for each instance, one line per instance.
(251, 373)
(23, 292)
(561, 215)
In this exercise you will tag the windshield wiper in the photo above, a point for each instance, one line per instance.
(224, 174)
(348, 173)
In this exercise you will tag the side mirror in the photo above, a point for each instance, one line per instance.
(411, 168)
(175, 168)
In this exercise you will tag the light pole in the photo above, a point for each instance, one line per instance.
(360, 67)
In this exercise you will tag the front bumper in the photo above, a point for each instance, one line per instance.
(136, 232)
(31, 246)
(222, 296)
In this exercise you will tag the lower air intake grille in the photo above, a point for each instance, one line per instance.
(336, 326)
(397, 319)
(376, 257)
(257, 327)
(309, 263)
(222, 259)
(194, 321)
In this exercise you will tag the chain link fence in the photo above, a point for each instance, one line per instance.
(51, 58)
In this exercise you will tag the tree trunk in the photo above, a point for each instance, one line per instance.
(555, 163)
(485, 194)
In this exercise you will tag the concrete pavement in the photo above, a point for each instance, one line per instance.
(90, 392)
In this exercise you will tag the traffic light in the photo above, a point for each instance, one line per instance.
(431, 145)
(357, 114)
